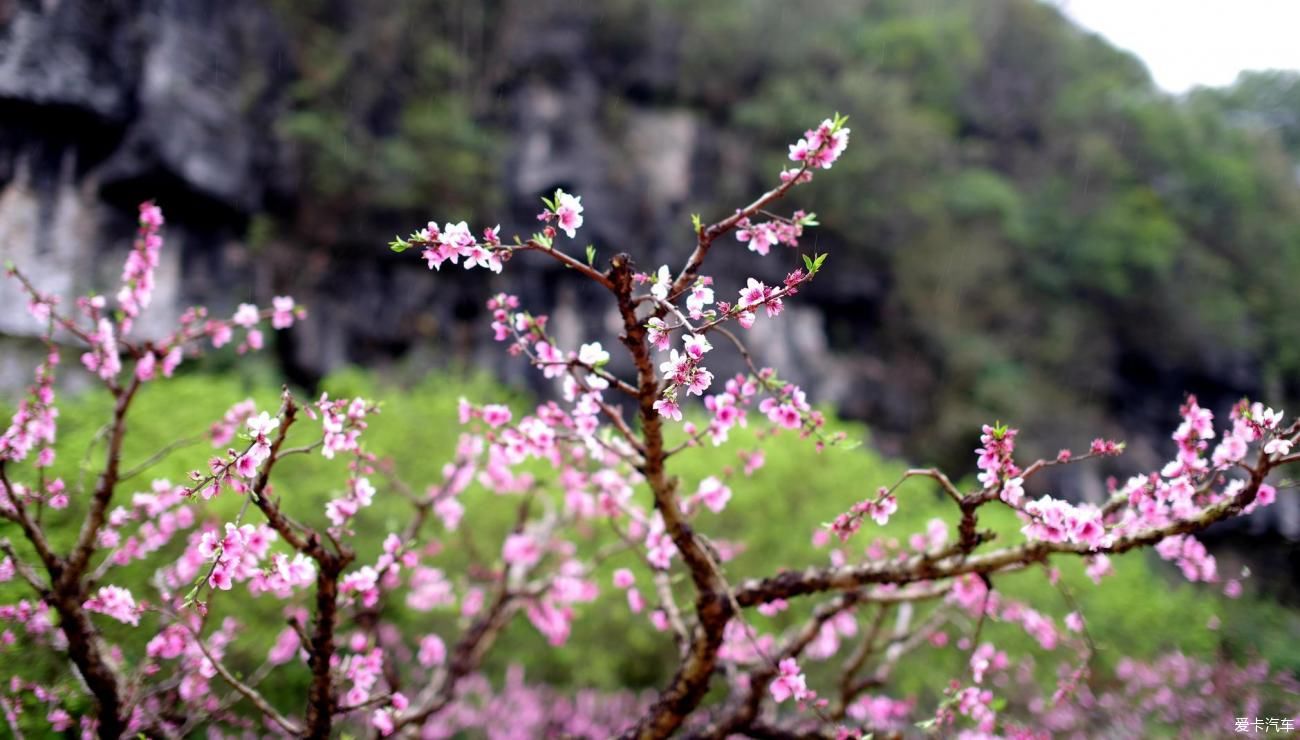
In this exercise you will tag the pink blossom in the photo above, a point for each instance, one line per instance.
(450, 511)
(713, 494)
(496, 415)
(282, 315)
(668, 408)
(246, 316)
(623, 578)
(568, 212)
(661, 281)
(696, 345)
(1074, 622)
(789, 683)
(522, 550)
(115, 602)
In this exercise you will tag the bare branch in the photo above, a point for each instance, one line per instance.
(248, 692)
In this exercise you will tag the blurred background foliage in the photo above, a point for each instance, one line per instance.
(1024, 227)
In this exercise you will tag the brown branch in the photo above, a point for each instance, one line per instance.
(858, 658)
(709, 234)
(898, 646)
(53, 563)
(920, 567)
(465, 658)
(159, 456)
(321, 701)
(743, 713)
(87, 654)
(713, 606)
(79, 558)
(67, 590)
(583, 268)
(28, 574)
(244, 689)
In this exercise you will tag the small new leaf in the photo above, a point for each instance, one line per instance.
(399, 245)
(591, 255)
(696, 223)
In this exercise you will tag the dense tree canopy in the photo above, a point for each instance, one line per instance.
(1031, 223)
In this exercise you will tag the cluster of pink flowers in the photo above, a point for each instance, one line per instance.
(343, 422)
(881, 713)
(34, 423)
(879, 509)
(115, 602)
(684, 371)
(789, 408)
(755, 295)
(819, 147)
(236, 469)
(454, 242)
(247, 317)
(1055, 520)
(790, 683)
(223, 431)
(997, 468)
(196, 665)
(977, 705)
(713, 494)
(970, 594)
(159, 515)
(565, 210)
(236, 555)
(102, 358)
(987, 658)
(1195, 562)
(138, 272)
(728, 409)
(761, 237)
(1170, 693)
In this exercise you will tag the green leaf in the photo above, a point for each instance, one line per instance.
(807, 263)
(696, 223)
(591, 254)
(399, 245)
(550, 204)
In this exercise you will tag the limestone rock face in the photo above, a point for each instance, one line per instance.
(105, 104)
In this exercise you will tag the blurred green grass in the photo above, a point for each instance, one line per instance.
(1142, 611)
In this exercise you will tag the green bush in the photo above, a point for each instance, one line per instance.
(1142, 611)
